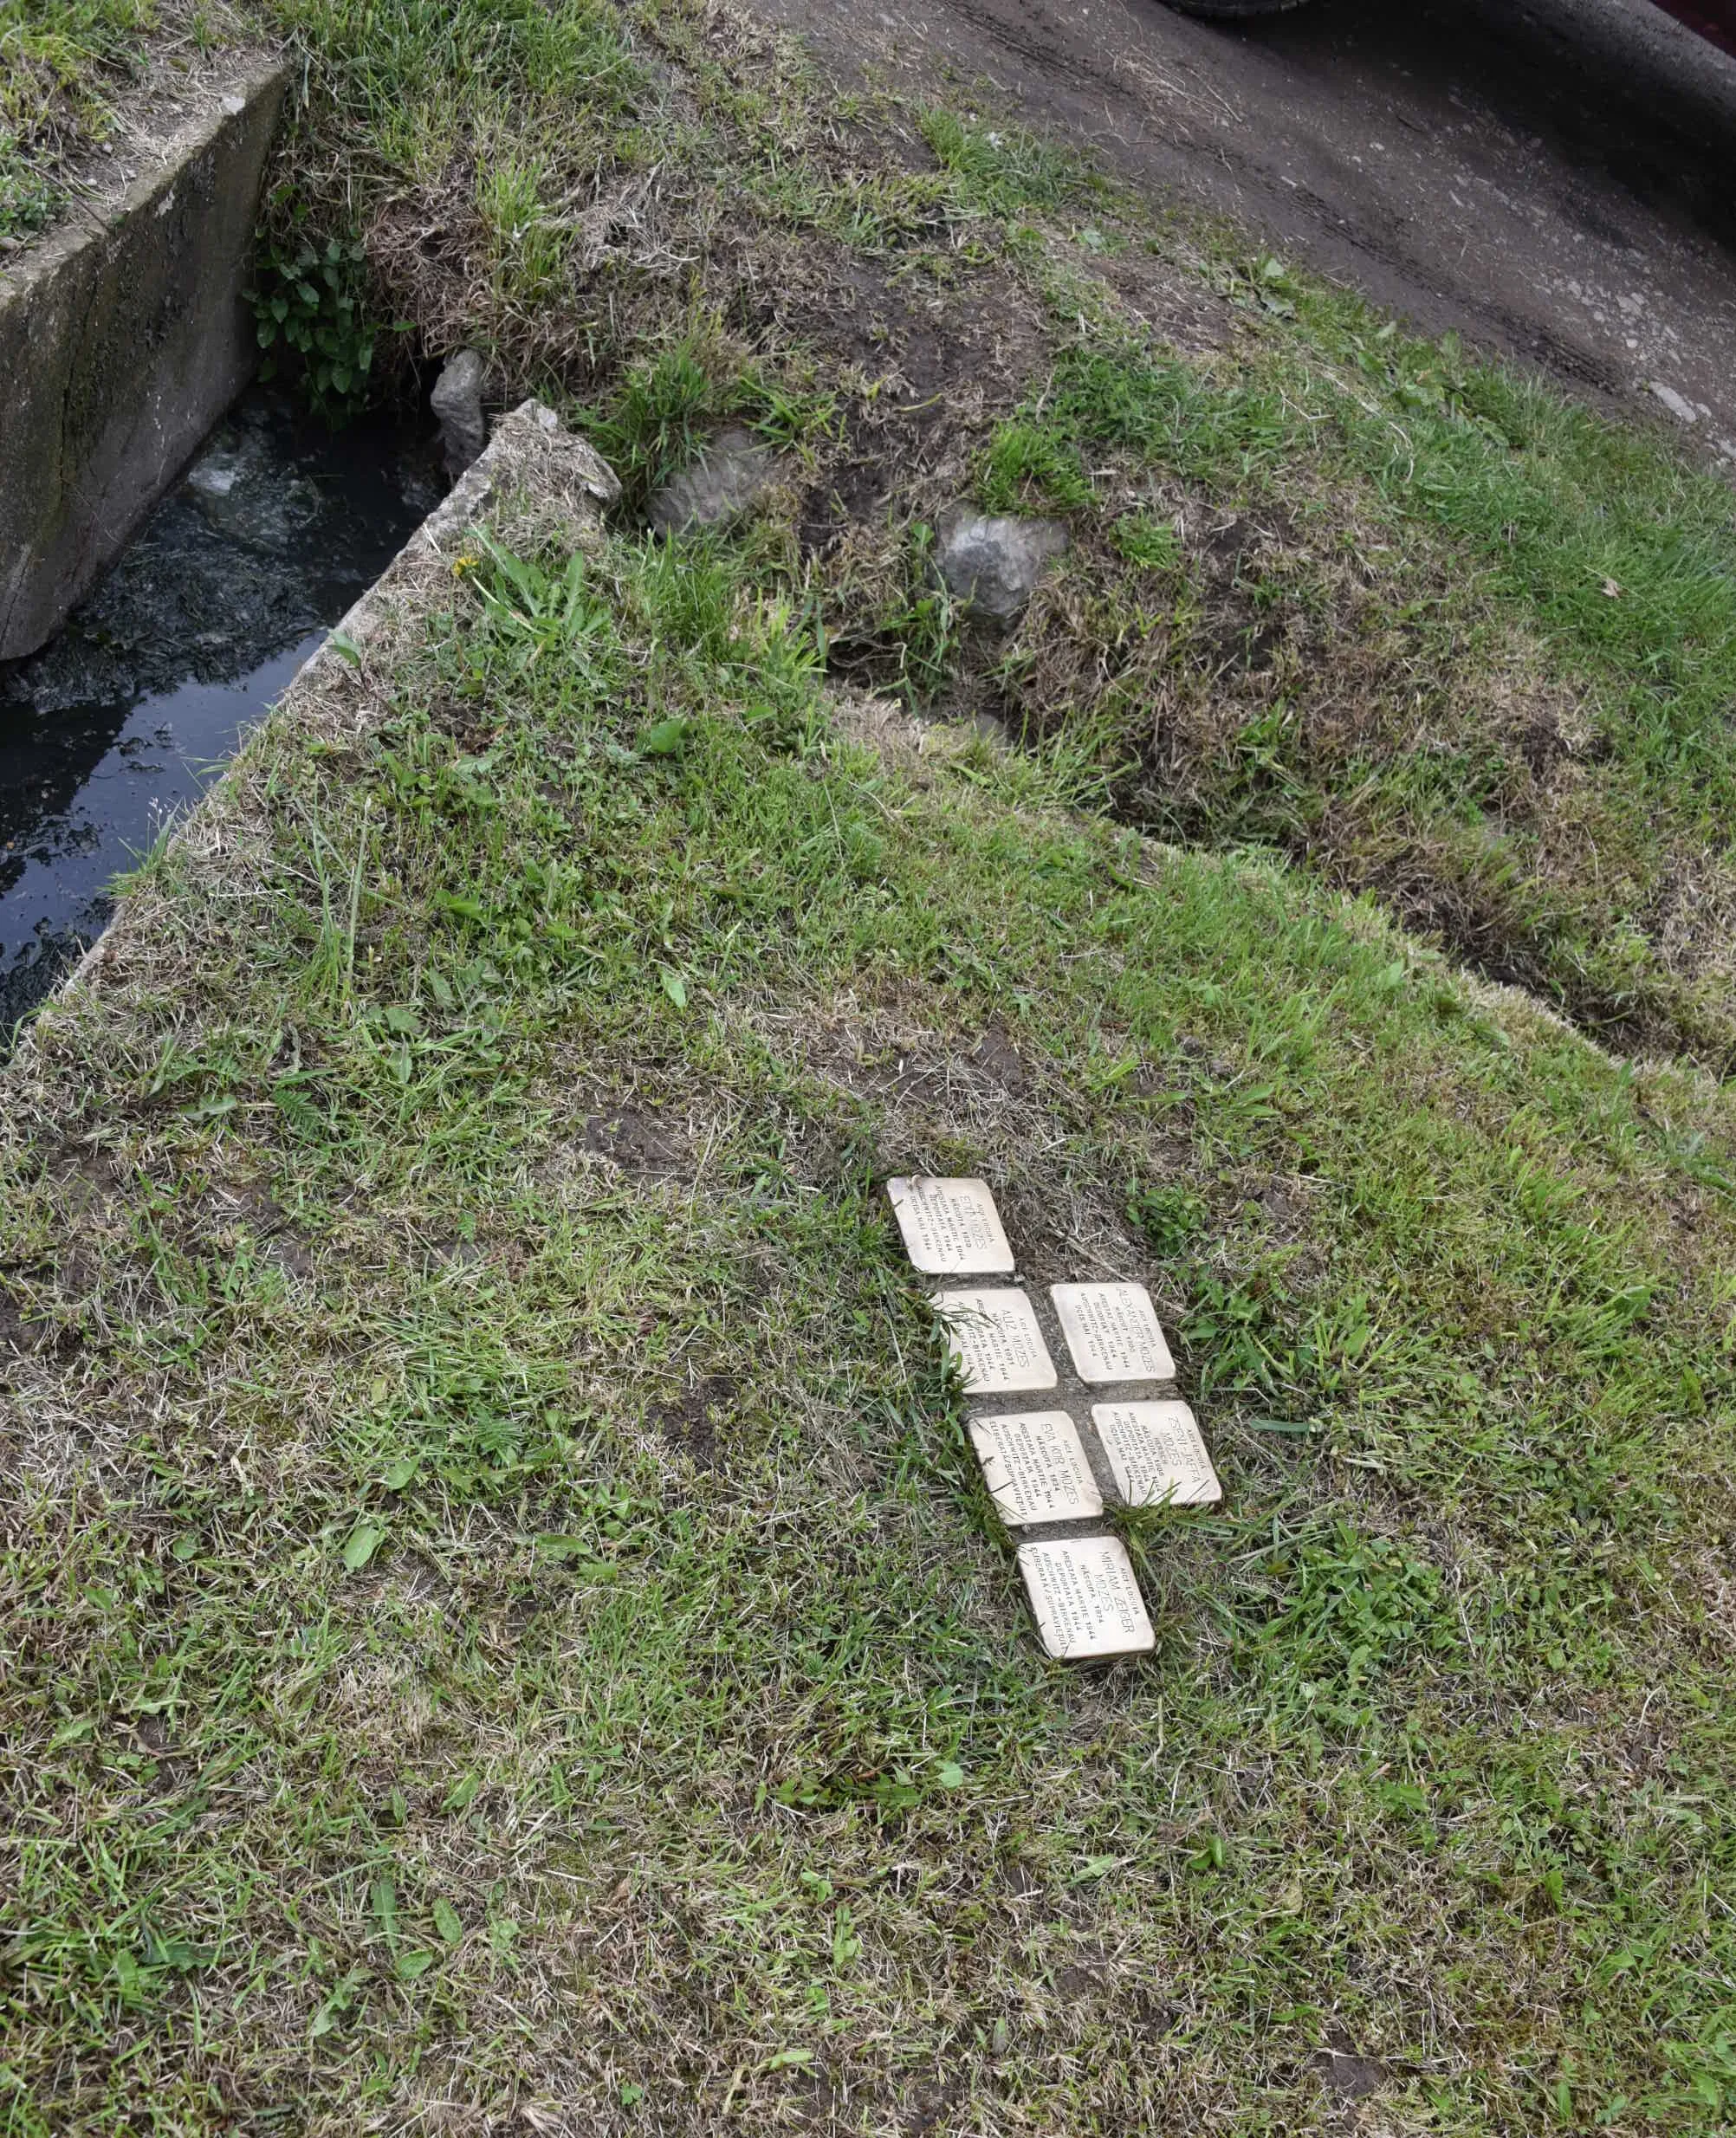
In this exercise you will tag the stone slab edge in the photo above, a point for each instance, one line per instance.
(122, 340)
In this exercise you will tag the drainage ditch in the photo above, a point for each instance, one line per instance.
(125, 717)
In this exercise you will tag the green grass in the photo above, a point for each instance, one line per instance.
(668, 405)
(1009, 171)
(61, 61)
(493, 1630)
(56, 54)
(28, 202)
(491, 1625)
(1615, 562)
(419, 82)
(1471, 651)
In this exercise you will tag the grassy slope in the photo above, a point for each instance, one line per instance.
(621, 1765)
(498, 1630)
(1531, 756)
(1428, 628)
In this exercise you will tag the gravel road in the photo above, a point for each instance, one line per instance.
(1554, 179)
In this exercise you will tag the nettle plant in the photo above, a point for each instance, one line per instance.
(310, 306)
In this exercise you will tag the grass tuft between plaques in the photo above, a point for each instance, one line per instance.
(501, 1627)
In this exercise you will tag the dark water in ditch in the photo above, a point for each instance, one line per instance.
(123, 720)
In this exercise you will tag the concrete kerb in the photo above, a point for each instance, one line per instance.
(122, 340)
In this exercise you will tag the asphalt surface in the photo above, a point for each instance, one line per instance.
(1554, 179)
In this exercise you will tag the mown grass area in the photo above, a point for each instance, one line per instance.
(501, 1627)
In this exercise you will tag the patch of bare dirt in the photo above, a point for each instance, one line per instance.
(1346, 2075)
(941, 1098)
(1349, 2079)
(632, 1141)
(17, 1336)
(998, 1057)
(697, 1423)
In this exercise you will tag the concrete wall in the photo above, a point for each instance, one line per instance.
(121, 343)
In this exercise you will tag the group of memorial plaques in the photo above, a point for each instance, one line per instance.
(1034, 1460)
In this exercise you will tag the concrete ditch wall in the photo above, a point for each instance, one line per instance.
(536, 483)
(121, 343)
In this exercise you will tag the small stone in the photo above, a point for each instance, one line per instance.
(1678, 403)
(1113, 1333)
(1085, 1598)
(996, 1341)
(993, 563)
(1033, 1463)
(458, 404)
(731, 473)
(216, 474)
(951, 1228)
(1156, 1454)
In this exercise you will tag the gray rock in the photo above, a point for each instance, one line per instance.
(457, 403)
(731, 474)
(992, 562)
